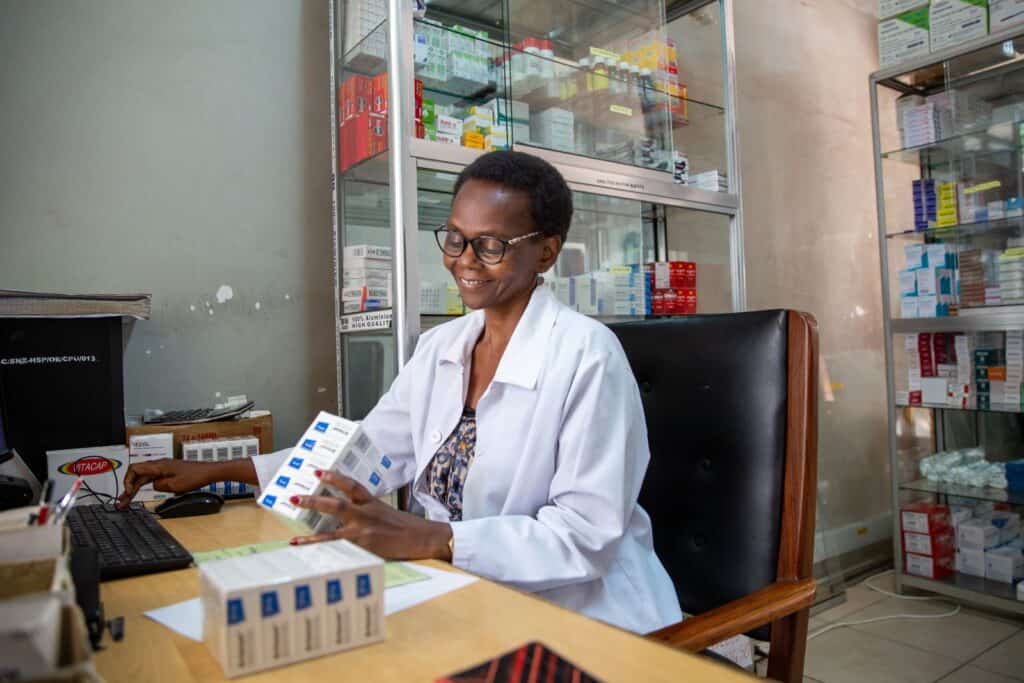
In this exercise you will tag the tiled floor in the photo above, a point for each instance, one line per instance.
(971, 647)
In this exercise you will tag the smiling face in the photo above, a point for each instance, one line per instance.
(487, 208)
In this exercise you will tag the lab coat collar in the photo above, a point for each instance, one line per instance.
(524, 356)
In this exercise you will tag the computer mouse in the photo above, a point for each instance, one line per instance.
(190, 504)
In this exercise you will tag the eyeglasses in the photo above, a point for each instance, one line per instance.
(490, 250)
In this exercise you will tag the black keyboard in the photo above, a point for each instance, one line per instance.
(130, 541)
(196, 415)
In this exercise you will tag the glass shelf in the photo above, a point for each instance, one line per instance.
(368, 57)
(993, 408)
(986, 493)
(969, 588)
(995, 139)
(1003, 227)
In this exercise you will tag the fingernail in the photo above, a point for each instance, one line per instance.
(318, 473)
(294, 541)
(294, 500)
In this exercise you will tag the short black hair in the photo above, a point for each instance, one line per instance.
(550, 196)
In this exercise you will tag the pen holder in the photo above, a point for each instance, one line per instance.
(21, 542)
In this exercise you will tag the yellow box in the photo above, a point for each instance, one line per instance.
(472, 139)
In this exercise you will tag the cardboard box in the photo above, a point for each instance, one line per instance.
(890, 8)
(924, 518)
(261, 427)
(1004, 14)
(929, 567)
(330, 443)
(940, 544)
(147, 447)
(953, 22)
(903, 37)
(30, 637)
(971, 562)
(977, 534)
(1005, 565)
(101, 468)
(287, 605)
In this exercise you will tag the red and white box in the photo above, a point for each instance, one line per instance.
(938, 545)
(924, 518)
(928, 567)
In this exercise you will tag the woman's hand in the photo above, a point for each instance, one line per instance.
(178, 476)
(375, 525)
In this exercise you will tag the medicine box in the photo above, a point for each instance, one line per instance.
(977, 534)
(953, 22)
(1004, 564)
(330, 443)
(101, 468)
(222, 450)
(270, 609)
(147, 447)
(924, 518)
(890, 8)
(367, 251)
(903, 37)
(923, 544)
(928, 567)
(1004, 14)
(971, 562)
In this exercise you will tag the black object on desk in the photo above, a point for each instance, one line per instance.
(15, 492)
(190, 504)
(130, 541)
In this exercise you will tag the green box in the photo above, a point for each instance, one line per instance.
(980, 374)
(989, 357)
(983, 402)
(427, 113)
(982, 386)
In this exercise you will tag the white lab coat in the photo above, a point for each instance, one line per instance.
(550, 501)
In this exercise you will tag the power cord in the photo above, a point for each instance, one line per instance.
(867, 582)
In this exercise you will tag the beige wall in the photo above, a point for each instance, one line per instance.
(175, 148)
(810, 219)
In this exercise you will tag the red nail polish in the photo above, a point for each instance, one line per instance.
(294, 500)
(318, 473)
(294, 541)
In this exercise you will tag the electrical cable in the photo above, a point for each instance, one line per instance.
(867, 582)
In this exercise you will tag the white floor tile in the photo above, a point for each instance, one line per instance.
(1006, 658)
(849, 656)
(972, 674)
(857, 598)
(962, 637)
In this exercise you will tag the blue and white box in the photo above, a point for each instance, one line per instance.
(330, 443)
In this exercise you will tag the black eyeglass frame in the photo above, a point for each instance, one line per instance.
(505, 244)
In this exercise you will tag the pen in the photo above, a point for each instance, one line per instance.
(66, 502)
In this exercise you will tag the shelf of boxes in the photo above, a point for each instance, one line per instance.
(969, 545)
(967, 371)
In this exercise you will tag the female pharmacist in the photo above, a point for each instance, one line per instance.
(519, 425)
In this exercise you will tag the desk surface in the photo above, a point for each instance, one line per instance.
(438, 637)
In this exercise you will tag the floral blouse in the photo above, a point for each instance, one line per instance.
(446, 473)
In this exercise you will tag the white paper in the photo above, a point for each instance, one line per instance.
(186, 617)
(403, 597)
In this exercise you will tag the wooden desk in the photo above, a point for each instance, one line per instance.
(438, 637)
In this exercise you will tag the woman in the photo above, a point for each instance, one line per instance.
(519, 425)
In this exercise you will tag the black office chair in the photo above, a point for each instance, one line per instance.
(732, 421)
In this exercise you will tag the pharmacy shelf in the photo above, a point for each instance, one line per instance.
(993, 408)
(926, 73)
(978, 493)
(970, 589)
(986, 319)
(1003, 227)
(996, 139)
(375, 322)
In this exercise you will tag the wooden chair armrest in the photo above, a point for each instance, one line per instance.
(773, 602)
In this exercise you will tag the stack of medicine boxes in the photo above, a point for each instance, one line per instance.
(927, 282)
(222, 450)
(271, 609)
(366, 278)
(928, 540)
(988, 541)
